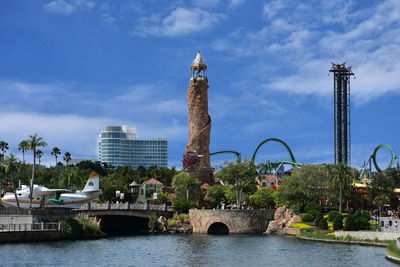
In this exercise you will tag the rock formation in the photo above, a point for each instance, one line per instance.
(199, 120)
(283, 218)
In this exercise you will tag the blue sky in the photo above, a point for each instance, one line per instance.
(68, 67)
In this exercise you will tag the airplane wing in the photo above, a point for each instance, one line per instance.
(46, 191)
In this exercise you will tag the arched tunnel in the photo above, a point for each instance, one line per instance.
(114, 224)
(218, 228)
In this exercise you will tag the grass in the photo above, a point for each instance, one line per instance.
(393, 250)
(301, 226)
(178, 218)
(325, 235)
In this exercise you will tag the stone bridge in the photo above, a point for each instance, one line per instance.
(230, 221)
(124, 217)
(124, 209)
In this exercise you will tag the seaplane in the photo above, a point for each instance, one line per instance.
(54, 198)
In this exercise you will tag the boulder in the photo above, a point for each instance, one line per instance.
(163, 223)
(283, 218)
(279, 213)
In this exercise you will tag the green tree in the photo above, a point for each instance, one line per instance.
(381, 189)
(55, 152)
(3, 148)
(340, 178)
(163, 197)
(72, 178)
(264, 197)
(186, 186)
(34, 142)
(304, 185)
(240, 174)
(23, 146)
(10, 164)
(39, 154)
(67, 157)
(216, 194)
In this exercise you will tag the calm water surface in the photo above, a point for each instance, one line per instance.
(191, 250)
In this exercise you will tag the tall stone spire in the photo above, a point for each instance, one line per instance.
(199, 120)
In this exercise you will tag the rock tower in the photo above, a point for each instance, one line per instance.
(199, 120)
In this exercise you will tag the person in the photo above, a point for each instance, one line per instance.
(395, 224)
(390, 223)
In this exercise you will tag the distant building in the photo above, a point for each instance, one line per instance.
(118, 145)
(145, 192)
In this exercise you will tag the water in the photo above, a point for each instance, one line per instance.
(191, 250)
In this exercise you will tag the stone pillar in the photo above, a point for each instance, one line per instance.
(199, 121)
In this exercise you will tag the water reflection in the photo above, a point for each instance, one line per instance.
(191, 250)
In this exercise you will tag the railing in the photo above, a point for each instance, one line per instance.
(35, 211)
(124, 206)
(26, 227)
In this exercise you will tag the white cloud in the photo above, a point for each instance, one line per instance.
(59, 7)
(180, 21)
(273, 7)
(235, 3)
(64, 7)
(368, 40)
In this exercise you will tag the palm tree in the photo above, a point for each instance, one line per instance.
(23, 146)
(3, 147)
(39, 154)
(67, 157)
(10, 164)
(340, 176)
(34, 142)
(55, 152)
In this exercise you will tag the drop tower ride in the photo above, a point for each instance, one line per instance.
(341, 84)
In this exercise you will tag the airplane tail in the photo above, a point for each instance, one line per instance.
(93, 183)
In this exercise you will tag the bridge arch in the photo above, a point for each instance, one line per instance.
(292, 158)
(218, 228)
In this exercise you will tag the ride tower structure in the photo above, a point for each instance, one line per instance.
(199, 122)
(342, 134)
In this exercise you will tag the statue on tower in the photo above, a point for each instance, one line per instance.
(197, 155)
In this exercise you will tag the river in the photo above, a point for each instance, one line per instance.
(191, 250)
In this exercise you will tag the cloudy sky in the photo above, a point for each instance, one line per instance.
(68, 67)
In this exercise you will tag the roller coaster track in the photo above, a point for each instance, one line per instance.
(269, 166)
(237, 154)
(392, 159)
(273, 140)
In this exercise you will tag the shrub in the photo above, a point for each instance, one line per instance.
(314, 213)
(333, 214)
(362, 223)
(323, 224)
(182, 205)
(308, 218)
(362, 213)
(312, 206)
(329, 208)
(171, 223)
(337, 223)
(154, 225)
(181, 217)
(318, 219)
(350, 223)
